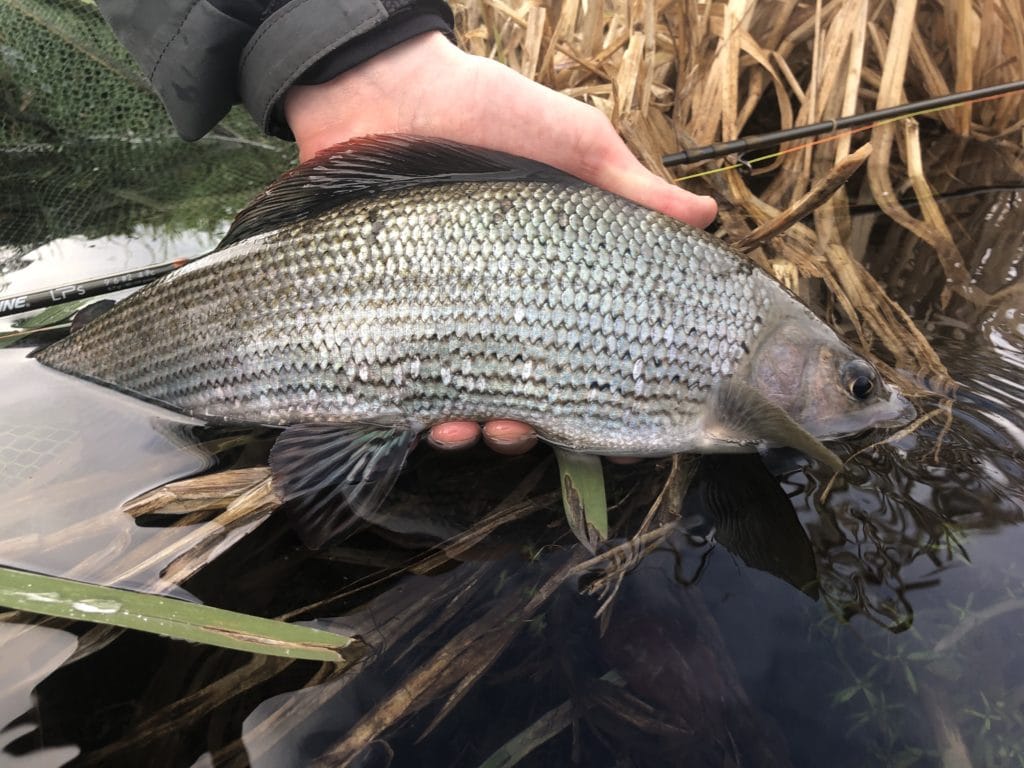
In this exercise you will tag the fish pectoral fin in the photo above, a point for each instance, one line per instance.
(334, 475)
(742, 416)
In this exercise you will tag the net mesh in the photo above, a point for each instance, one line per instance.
(87, 149)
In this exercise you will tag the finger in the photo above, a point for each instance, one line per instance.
(509, 437)
(454, 435)
(580, 140)
(654, 192)
(624, 459)
(603, 159)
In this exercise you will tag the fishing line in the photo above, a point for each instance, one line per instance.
(26, 332)
(835, 128)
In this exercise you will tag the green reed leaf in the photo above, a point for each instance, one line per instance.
(586, 507)
(178, 619)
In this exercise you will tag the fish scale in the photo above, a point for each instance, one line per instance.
(601, 323)
(397, 282)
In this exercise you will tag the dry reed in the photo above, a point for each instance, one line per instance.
(690, 72)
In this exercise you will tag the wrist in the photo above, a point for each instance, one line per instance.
(376, 96)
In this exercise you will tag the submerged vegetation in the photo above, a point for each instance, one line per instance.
(508, 630)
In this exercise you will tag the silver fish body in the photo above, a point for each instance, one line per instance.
(608, 327)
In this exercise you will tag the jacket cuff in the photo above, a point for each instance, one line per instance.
(188, 50)
(312, 41)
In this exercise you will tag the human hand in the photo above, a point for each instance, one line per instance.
(426, 86)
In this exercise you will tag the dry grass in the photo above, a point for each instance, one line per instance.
(678, 73)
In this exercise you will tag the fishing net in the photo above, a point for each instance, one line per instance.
(87, 150)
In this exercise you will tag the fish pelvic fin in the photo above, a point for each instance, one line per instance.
(373, 165)
(335, 476)
(741, 416)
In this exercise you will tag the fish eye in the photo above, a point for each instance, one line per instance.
(859, 379)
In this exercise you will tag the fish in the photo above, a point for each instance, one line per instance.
(396, 282)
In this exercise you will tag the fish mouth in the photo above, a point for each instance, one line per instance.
(904, 415)
(903, 411)
(895, 411)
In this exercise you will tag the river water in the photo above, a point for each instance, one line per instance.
(785, 620)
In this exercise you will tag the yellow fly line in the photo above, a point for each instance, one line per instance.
(835, 135)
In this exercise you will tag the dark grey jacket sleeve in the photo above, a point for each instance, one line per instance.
(202, 56)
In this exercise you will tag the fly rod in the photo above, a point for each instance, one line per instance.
(12, 305)
(762, 140)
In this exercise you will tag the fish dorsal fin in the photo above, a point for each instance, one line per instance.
(373, 165)
(334, 475)
(742, 416)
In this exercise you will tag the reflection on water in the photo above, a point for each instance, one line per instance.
(72, 453)
(915, 499)
(102, 189)
(74, 259)
(39, 651)
(789, 617)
